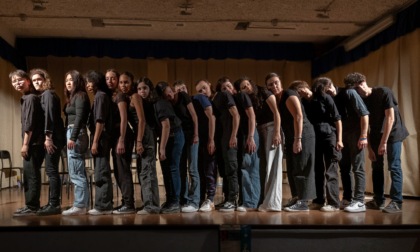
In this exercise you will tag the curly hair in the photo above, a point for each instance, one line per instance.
(354, 78)
(47, 80)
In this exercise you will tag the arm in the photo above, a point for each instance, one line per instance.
(191, 109)
(293, 105)
(49, 122)
(122, 107)
(164, 138)
(25, 146)
(99, 127)
(212, 125)
(271, 101)
(389, 121)
(235, 125)
(339, 133)
(250, 144)
(364, 125)
(136, 100)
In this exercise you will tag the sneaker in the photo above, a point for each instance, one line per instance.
(241, 209)
(329, 208)
(189, 209)
(374, 205)
(170, 208)
(74, 211)
(393, 207)
(124, 210)
(207, 206)
(355, 207)
(228, 207)
(49, 210)
(95, 211)
(291, 202)
(344, 203)
(315, 206)
(300, 206)
(24, 211)
(143, 212)
(220, 205)
(117, 207)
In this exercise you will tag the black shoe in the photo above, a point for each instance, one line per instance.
(170, 208)
(228, 207)
(375, 205)
(24, 211)
(125, 210)
(49, 210)
(220, 205)
(118, 207)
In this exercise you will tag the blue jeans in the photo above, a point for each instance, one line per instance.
(251, 186)
(193, 192)
(170, 167)
(76, 168)
(393, 154)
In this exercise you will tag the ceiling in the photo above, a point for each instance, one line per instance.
(314, 21)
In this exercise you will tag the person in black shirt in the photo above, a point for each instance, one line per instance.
(171, 142)
(54, 137)
(77, 110)
(100, 126)
(33, 137)
(387, 131)
(147, 167)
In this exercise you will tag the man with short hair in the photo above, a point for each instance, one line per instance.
(387, 131)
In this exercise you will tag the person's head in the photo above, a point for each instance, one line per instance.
(331, 89)
(145, 88)
(179, 86)
(302, 88)
(21, 81)
(112, 77)
(224, 84)
(246, 85)
(322, 85)
(74, 83)
(125, 83)
(163, 90)
(40, 79)
(203, 87)
(352, 79)
(96, 81)
(360, 84)
(273, 83)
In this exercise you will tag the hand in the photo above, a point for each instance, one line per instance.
(195, 139)
(120, 148)
(139, 148)
(94, 149)
(251, 147)
(211, 147)
(297, 146)
(233, 142)
(162, 154)
(339, 146)
(382, 149)
(362, 143)
(276, 140)
(70, 144)
(24, 151)
(49, 146)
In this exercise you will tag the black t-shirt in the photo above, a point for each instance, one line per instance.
(223, 101)
(243, 102)
(32, 118)
(322, 113)
(351, 107)
(263, 113)
(101, 112)
(164, 110)
(77, 112)
(182, 111)
(287, 120)
(149, 113)
(51, 105)
(377, 102)
(119, 97)
(201, 103)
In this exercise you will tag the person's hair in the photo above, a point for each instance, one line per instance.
(179, 83)
(255, 96)
(298, 84)
(160, 88)
(320, 85)
(133, 85)
(22, 74)
(220, 83)
(47, 80)
(208, 83)
(149, 83)
(98, 79)
(112, 70)
(79, 85)
(354, 78)
(271, 75)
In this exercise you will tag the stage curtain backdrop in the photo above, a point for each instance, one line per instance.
(397, 66)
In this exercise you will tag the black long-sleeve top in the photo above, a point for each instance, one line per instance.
(77, 112)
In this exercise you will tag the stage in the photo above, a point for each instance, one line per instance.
(260, 231)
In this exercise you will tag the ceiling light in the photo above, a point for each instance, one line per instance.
(368, 33)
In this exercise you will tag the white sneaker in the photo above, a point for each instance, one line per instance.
(355, 207)
(329, 208)
(241, 209)
(189, 209)
(207, 206)
(94, 211)
(74, 211)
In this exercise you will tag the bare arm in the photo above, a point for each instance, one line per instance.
(191, 109)
(122, 107)
(339, 132)
(136, 100)
(389, 121)
(364, 125)
(164, 138)
(233, 142)
(25, 146)
(212, 125)
(293, 105)
(250, 143)
(271, 101)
